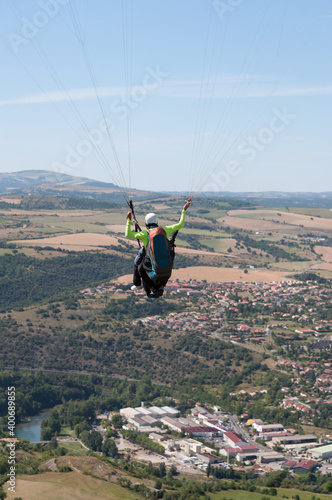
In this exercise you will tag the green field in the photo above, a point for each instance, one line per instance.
(213, 214)
(313, 212)
(4, 251)
(48, 230)
(67, 224)
(282, 494)
(291, 266)
(219, 245)
(204, 232)
(74, 449)
(67, 431)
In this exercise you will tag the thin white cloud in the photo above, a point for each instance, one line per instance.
(225, 87)
(240, 88)
(69, 95)
(304, 91)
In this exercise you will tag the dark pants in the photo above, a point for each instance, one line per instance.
(138, 260)
(141, 270)
(148, 284)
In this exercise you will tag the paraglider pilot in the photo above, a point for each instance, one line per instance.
(154, 261)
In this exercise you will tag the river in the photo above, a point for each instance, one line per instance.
(31, 430)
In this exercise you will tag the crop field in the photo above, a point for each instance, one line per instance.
(220, 275)
(6, 199)
(81, 225)
(213, 275)
(324, 273)
(116, 228)
(95, 230)
(251, 224)
(219, 245)
(268, 220)
(313, 212)
(74, 223)
(292, 266)
(214, 213)
(325, 252)
(323, 265)
(191, 252)
(204, 232)
(47, 230)
(78, 241)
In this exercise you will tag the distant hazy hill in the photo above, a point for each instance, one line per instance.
(30, 179)
(48, 183)
(277, 198)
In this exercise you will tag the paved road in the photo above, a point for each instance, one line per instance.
(239, 430)
(249, 347)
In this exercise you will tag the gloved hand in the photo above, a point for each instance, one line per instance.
(187, 204)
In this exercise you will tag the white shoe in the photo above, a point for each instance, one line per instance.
(134, 287)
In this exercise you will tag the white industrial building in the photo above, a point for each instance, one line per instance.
(293, 441)
(154, 412)
(268, 457)
(268, 427)
(172, 423)
(322, 452)
(128, 413)
(149, 419)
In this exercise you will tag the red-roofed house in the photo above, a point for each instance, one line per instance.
(289, 464)
(242, 327)
(234, 439)
(304, 466)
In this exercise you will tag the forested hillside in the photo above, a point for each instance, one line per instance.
(26, 280)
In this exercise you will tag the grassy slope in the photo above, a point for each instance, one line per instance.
(68, 486)
(76, 486)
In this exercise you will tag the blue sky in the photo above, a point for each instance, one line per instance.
(224, 95)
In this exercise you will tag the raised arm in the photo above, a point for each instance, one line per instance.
(179, 225)
(141, 235)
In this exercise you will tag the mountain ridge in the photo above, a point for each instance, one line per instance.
(46, 182)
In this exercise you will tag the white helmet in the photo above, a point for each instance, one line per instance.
(151, 219)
